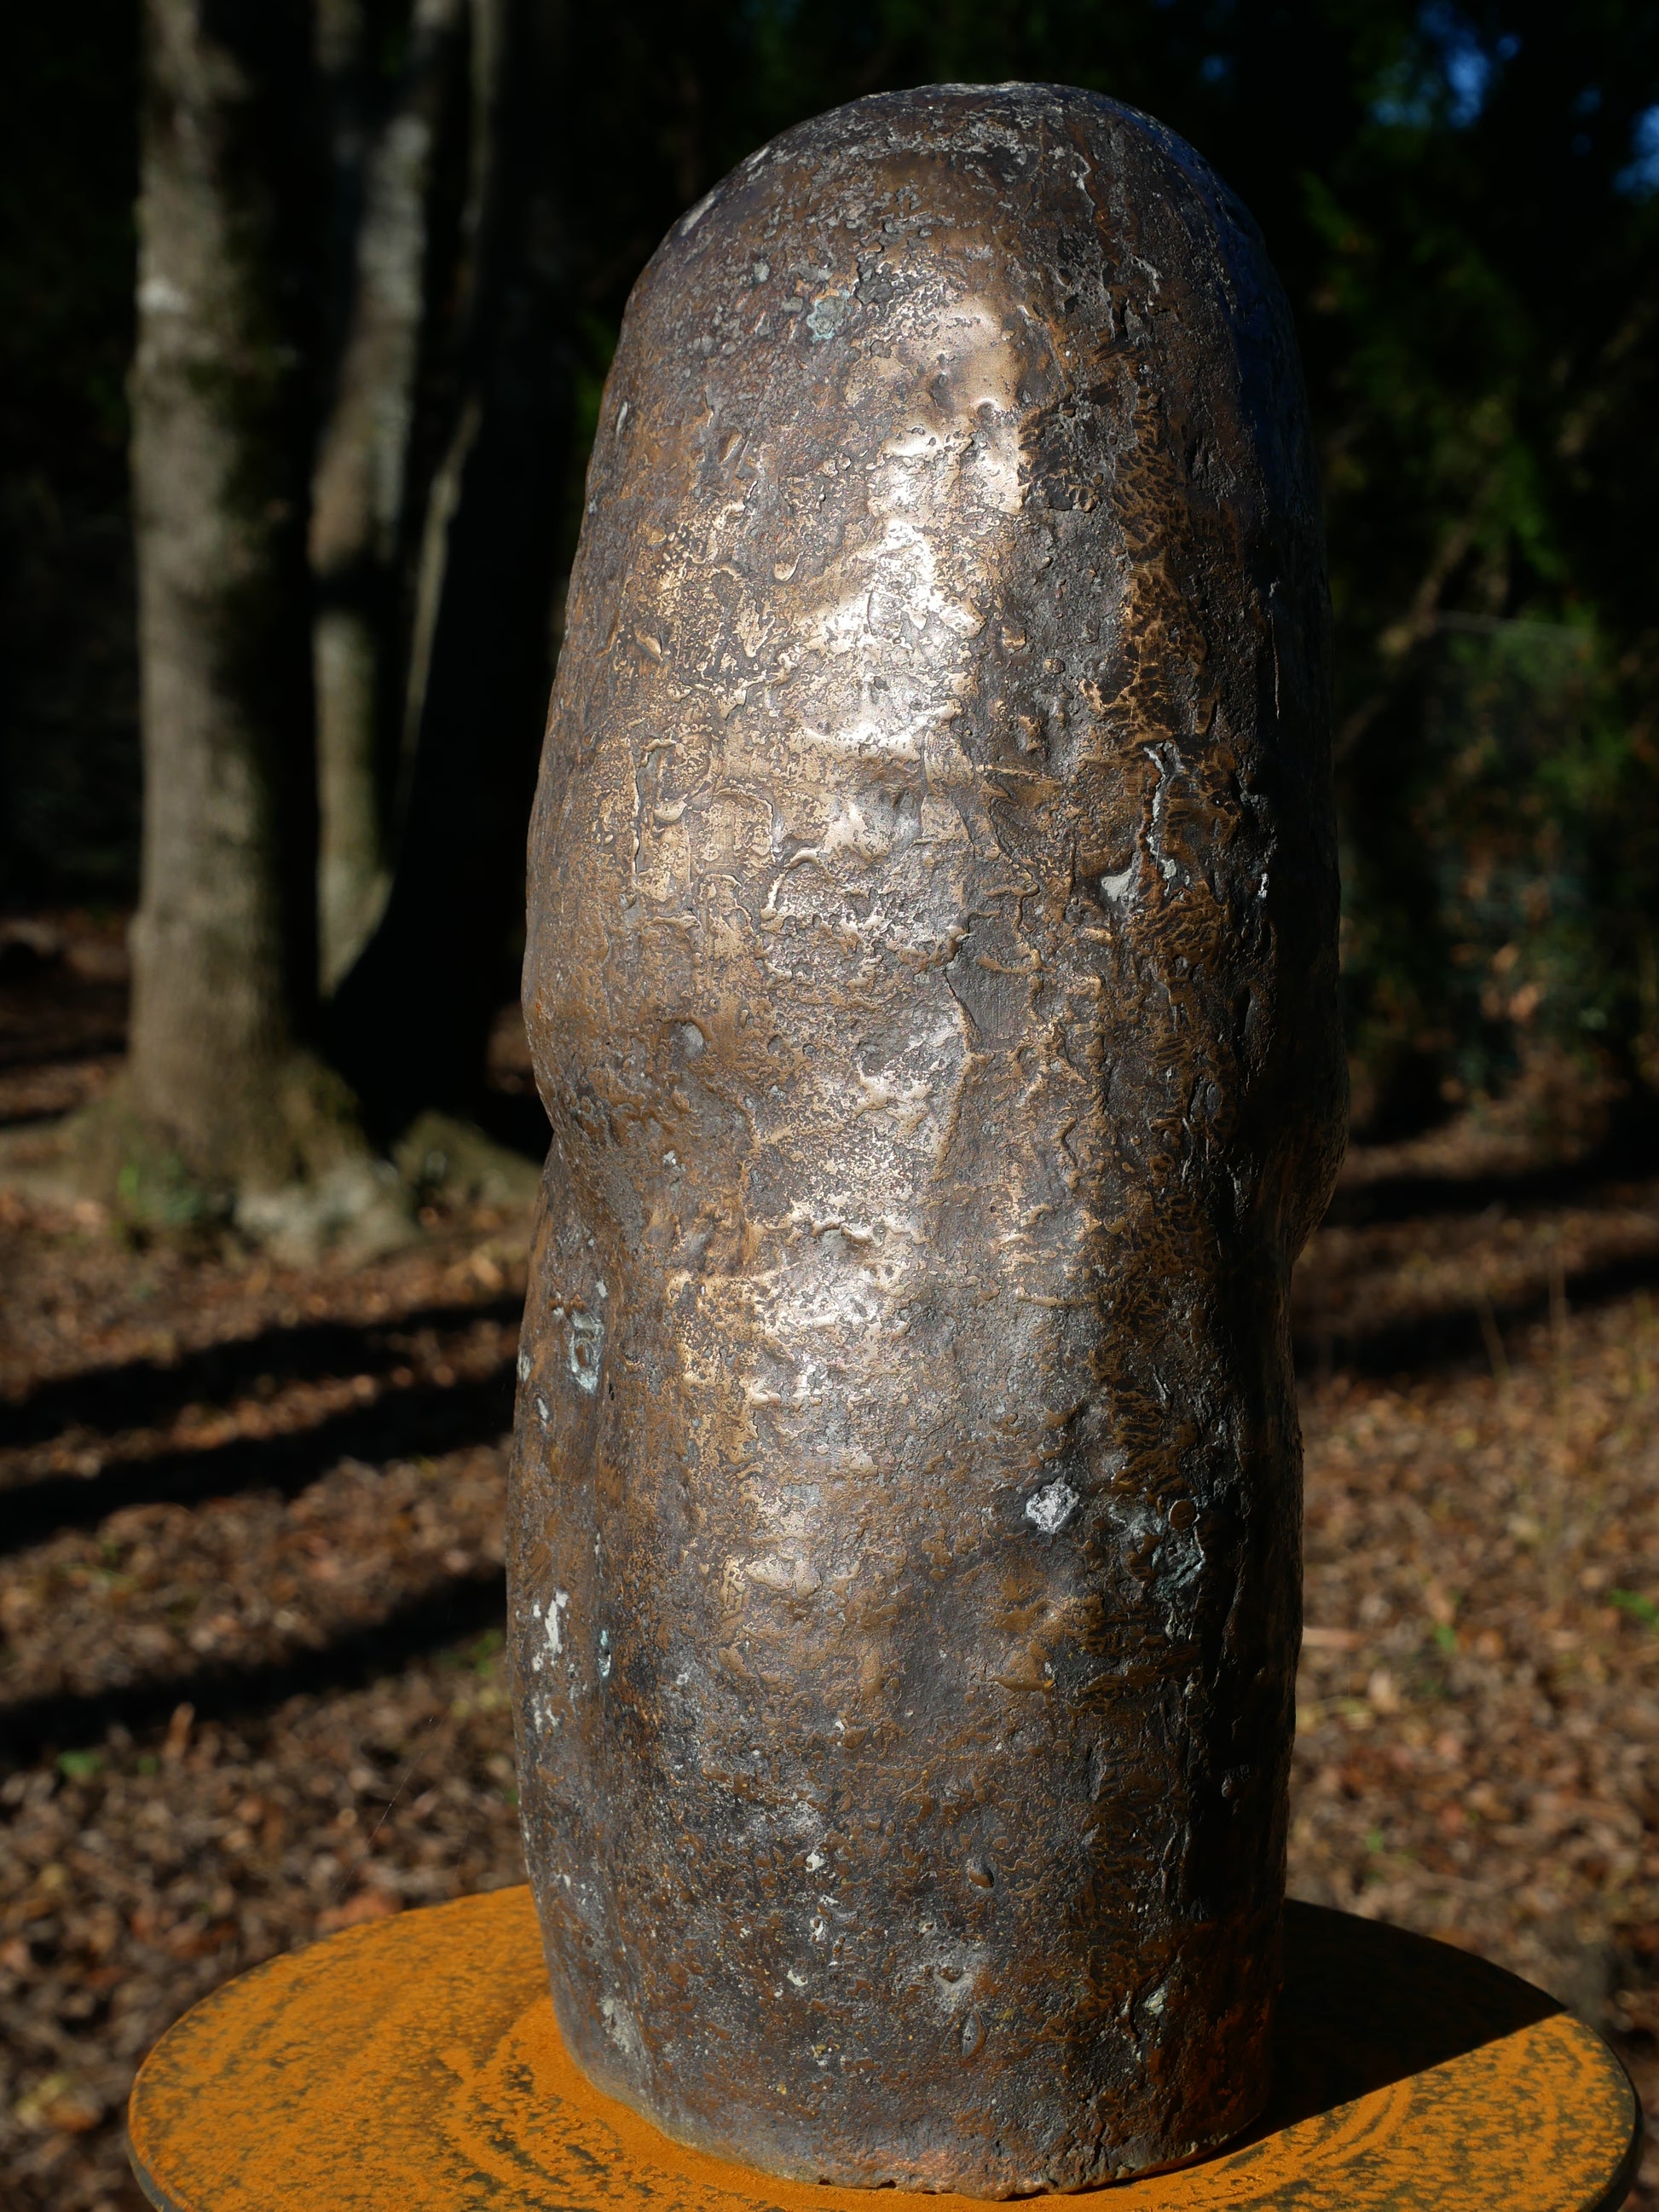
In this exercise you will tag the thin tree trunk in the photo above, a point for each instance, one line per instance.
(224, 945)
(361, 495)
(411, 1022)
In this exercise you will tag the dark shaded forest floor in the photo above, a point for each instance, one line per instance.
(250, 1588)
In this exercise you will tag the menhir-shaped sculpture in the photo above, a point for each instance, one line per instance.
(932, 983)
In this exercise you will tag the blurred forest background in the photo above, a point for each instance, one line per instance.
(441, 206)
(305, 307)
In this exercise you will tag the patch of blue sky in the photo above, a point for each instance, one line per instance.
(1450, 74)
(1639, 178)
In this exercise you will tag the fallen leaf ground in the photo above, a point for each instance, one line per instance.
(250, 1686)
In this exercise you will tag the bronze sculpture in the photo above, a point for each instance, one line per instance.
(931, 982)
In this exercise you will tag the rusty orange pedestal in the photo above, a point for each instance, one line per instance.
(414, 2066)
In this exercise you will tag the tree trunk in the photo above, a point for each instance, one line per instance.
(362, 495)
(224, 945)
(416, 597)
(411, 1022)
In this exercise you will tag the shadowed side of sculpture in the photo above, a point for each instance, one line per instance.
(931, 981)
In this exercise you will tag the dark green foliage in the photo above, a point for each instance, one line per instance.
(1478, 299)
(1456, 200)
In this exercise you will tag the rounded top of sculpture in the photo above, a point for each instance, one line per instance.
(1067, 220)
(1012, 133)
(912, 163)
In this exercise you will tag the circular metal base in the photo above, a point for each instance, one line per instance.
(415, 2066)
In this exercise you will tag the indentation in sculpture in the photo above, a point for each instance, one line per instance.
(931, 977)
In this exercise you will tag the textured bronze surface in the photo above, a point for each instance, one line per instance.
(931, 982)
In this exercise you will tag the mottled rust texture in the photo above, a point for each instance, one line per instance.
(931, 982)
(413, 2066)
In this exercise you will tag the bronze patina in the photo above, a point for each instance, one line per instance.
(932, 982)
